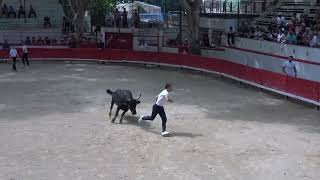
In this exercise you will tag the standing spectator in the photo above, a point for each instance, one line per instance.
(12, 12)
(14, 54)
(230, 36)
(289, 68)
(25, 56)
(124, 18)
(21, 12)
(4, 10)
(32, 12)
(136, 19)
(117, 18)
(64, 23)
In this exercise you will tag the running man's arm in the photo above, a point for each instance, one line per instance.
(284, 68)
(168, 98)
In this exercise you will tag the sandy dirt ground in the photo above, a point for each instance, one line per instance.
(54, 125)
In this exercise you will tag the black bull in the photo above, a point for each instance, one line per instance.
(124, 100)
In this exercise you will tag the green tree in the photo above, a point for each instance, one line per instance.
(99, 8)
(192, 8)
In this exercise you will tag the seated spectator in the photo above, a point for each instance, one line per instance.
(12, 12)
(34, 41)
(257, 34)
(281, 37)
(4, 10)
(305, 39)
(292, 38)
(54, 41)
(40, 41)
(28, 41)
(47, 40)
(314, 40)
(32, 12)
(21, 12)
(46, 22)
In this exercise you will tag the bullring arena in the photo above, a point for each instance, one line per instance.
(54, 124)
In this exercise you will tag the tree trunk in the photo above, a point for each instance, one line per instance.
(192, 8)
(194, 21)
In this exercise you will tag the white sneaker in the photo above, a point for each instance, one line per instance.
(165, 133)
(140, 120)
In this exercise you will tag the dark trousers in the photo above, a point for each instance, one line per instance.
(14, 68)
(25, 59)
(155, 111)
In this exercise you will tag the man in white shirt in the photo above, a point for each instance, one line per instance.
(25, 55)
(289, 68)
(157, 108)
(14, 54)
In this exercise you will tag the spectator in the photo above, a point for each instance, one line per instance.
(34, 41)
(28, 41)
(5, 10)
(289, 68)
(136, 19)
(100, 44)
(46, 22)
(64, 25)
(314, 40)
(32, 12)
(230, 37)
(186, 43)
(40, 41)
(12, 12)
(258, 34)
(292, 38)
(6, 45)
(124, 18)
(47, 40)
(54, 41)
(281, 37)
(117, 18)
(96, 30)
(21, 12)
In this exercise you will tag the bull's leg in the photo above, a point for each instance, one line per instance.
(116, 115)
(111, 107)
(124, 112)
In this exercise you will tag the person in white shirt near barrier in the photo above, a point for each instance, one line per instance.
(14, 54)
(25, 55)
(157, 108)
(289, 68)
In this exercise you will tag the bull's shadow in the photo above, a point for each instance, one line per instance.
(146, 126)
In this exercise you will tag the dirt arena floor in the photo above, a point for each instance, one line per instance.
(54, 125)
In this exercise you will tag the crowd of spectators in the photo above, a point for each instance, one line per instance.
(40, 41)
(298, 30)
(120, 19)
(11, 12)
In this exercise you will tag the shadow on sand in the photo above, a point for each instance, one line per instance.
(146, 126)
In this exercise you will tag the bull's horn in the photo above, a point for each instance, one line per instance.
(139, 97)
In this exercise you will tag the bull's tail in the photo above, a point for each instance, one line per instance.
(109, 91)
